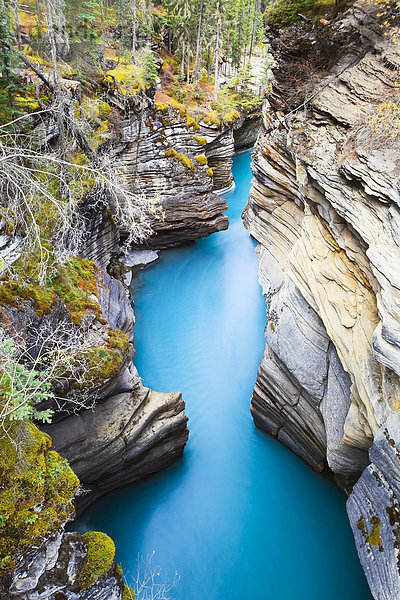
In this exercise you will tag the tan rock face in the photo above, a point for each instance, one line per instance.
(324, 207)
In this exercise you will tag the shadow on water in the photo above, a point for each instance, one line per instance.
(238, 516)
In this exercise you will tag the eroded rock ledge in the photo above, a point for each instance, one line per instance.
(324, 208)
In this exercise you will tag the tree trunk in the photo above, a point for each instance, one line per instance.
(134, 28)
(57, 98)
(169, 40)
(253, 32)
(216, 72)
(39, 14)
(239, 28)
(196, 62)
(246, 31)
(19, 41)
(183, 61)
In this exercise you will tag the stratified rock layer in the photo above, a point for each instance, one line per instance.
(127, 437)
(158, 156)
(324, 207)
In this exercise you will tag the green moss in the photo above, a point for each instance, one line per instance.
(202, 160)
(74, 283)
(162, 107)
(181, 158)
(200, 140)
(104, 109)
(191, 122)
(99, 558)
(361, 524)
(128, 593)
(13, 293)
(374, 537)
(283, 13)
(212, 119)
(231, 115)
(103, 362)
(37, 488)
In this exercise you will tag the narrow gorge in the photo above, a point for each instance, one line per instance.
(146, 274)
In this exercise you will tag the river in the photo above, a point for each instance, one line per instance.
(239, 516)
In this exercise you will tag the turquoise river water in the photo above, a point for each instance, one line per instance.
(239, 516)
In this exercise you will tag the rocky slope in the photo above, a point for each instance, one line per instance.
(324, 207)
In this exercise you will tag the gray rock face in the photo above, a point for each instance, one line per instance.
(127, 437)
(159, 155)
(51, 571)
(102, 240)
(223, 142)
(374, 512)
(246, 135)
(324, 207)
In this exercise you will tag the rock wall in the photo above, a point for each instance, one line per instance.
(324, 207)
(127, 437)
(158, 155)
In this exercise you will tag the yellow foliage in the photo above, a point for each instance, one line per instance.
(386, 118)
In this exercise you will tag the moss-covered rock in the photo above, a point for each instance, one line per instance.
(181, 158)
(200, 140)
(202, 160)
(105, 361)
(99, 558)
(37, 488)
(128, 593)
(74, 283)
(283, 13)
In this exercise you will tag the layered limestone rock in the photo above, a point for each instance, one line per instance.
(324, 207)
(163, 156)
(132, 431)
(127, 437)
(374, 512)
(221, 142)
